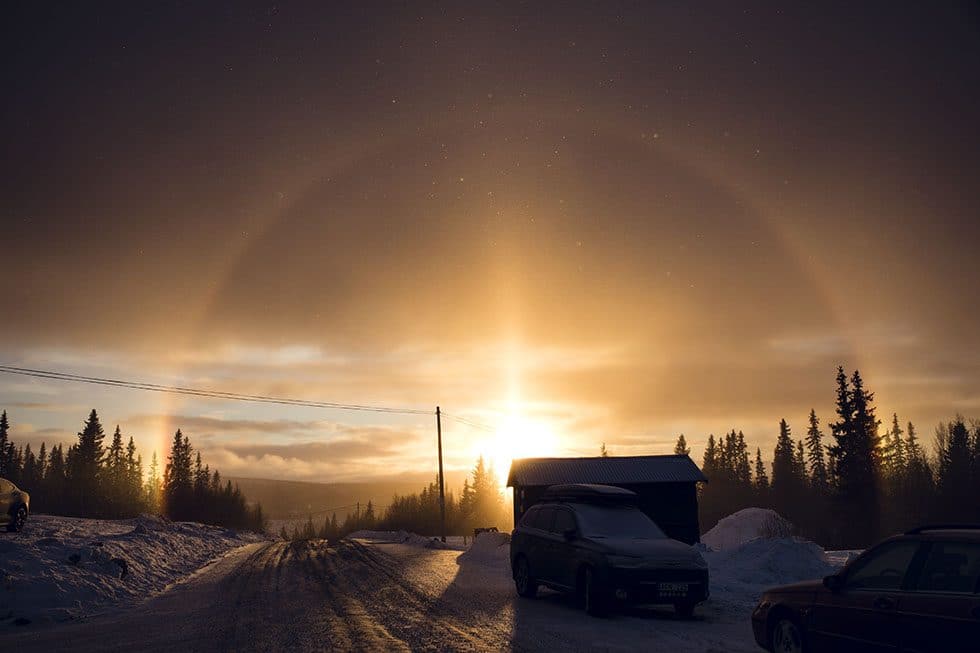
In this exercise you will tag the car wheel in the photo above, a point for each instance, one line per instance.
(684, 609)
(787, 636)
(593, 595)
(526, 584)
(17, 520)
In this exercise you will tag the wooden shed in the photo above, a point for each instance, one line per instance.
(666, 486)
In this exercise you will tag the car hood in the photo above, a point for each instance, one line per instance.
(805, 587)
(663, 549)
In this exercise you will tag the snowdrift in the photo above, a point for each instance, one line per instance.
(763, 563)
(62, 567)
(744, 526)
(487, 549)
(404, 537)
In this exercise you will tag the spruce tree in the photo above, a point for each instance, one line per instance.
(761, 477)
(114, 487)
(85, 468)
(42, 461)
(799, 464)
(895, 458)
(681, 448)
(153, 486)
(784, 469)
(4, 444)
(815, 455)
(785, 474)
(709, 462)
(857, 463)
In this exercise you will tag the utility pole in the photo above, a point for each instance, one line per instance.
(442, 483)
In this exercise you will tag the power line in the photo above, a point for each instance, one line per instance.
(471, 423)
(198, 392)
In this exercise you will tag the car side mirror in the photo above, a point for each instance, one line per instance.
(569, 534)
(833, 582)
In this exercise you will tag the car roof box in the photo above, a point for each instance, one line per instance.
(588, 493)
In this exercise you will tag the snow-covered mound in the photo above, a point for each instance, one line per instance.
(770, 562)
(487, 548)
(746, 525)
(403, 537)
(62, 567)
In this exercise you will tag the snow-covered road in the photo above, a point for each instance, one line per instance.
(358, 595)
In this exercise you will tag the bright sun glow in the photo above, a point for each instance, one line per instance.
(518, 437)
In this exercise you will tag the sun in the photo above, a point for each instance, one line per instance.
(518, 437)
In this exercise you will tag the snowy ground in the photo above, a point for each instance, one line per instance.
(60, 568)
(452, 543)
(377, 591)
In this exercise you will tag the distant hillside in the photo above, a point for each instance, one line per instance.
(294, 499)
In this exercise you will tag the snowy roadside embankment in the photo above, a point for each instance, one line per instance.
(454, 543)
(59, 568)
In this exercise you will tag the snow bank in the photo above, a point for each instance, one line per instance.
(744, 526)
(62, 567)
(770, 562)
(404, 537)
(488, 549)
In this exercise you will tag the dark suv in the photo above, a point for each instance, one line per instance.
(14, 505)
(912, 592)
(593, 540)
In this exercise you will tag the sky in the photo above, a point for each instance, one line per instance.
(573, 223)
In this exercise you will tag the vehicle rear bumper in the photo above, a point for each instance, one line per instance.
(659, 585)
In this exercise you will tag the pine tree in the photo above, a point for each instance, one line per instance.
(178, 488)
(954, 455)
(761, 477)
(681, 448)
(784, 470)
(799, 464)
(743, 470)
(42, 461)
(815, 455)
(55, 478)
(710, 461)
(84, 468)
(4, 444)
(786, 482)
(895, 458)
(28, 476)
(115, 471)
(488, 502)
(153, 486)
(856, 462)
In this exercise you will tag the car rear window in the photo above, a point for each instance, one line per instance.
(950, 567)
(616, 521)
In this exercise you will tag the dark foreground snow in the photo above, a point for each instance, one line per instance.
(60, 568)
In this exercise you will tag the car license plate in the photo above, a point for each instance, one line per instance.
(672, 588)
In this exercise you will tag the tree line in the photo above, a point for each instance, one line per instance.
(90, 479)
(853, 487)
(480, 505)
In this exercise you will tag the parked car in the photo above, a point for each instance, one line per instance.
(912, 592)
(15, 505)
(594, 541)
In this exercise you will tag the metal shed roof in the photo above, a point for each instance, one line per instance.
(609, 470)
